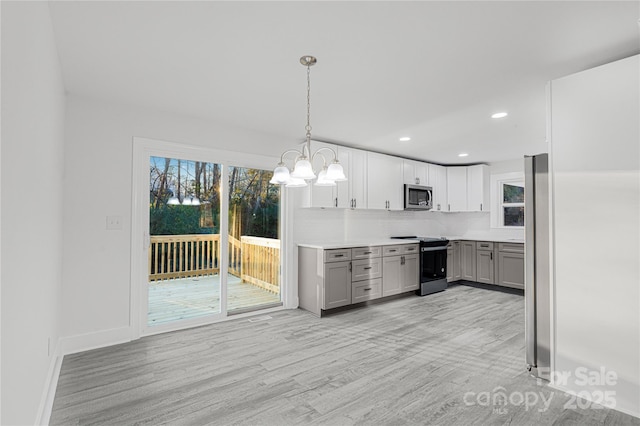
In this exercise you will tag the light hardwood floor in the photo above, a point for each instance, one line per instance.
(413, 360)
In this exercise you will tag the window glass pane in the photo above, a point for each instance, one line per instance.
(254, 245)
(512, 193)
(513, 216)
(184, 252)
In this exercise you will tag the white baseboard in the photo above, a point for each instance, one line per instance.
(85, 342)
(49, 391)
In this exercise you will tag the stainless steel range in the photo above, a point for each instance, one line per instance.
(433, 264)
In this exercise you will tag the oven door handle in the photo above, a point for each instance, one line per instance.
(423, 249)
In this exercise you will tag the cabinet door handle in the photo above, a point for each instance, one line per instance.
(336, 202)
(338, 255)
(392, 251)
(480, 206)
(402, 260)
(355, 203)
(368, 252)
(367, 289)
(349, 266)
(367, 267)
(491, 255)
(449, 206)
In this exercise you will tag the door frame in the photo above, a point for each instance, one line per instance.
(143, 149)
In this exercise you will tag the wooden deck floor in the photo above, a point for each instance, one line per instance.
(185, 298)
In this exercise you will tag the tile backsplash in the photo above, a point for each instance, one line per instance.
(327, 225)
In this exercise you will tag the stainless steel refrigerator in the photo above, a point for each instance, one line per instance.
(537, 266)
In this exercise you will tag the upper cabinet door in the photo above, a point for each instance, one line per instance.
(384, 182)
(456, 189)
(438, 182)
(352, 193)
(321, 196)
(415, 172)
(358, 179)
(478, 188)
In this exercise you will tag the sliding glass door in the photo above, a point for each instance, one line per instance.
(213, 246)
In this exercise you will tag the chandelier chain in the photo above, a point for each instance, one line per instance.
(308, 126)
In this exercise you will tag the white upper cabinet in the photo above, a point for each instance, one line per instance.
(456, 189)
(438, 182)
(468, 188)
(347, 194)
(384, 182)
(478, 188)
(322, 196)
(375, 181)
(415, 172)
(352, 194)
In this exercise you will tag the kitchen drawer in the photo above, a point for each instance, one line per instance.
(337, 255)
(484, 245)
(366, 290)
(410, 249)
(366, 252)
(392, 250)
(366, 269)
(511, 247)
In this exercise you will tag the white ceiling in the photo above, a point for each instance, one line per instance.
(434, 71)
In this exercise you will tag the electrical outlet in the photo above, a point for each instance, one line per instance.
(114, 222)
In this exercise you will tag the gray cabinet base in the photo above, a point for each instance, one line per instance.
(325, 312)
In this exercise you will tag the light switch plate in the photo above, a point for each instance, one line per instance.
(114, 222)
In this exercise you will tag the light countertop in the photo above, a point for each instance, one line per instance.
(329, 245)
(356, 243)
(494, 239)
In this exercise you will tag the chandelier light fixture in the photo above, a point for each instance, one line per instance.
(303, 163)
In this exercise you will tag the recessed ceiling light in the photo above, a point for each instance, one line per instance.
(499, 115)
(463, 154)
(405, 139)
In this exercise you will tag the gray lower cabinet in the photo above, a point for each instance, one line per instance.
(329, 279)
(410, 273)
(486, 262)
(401, 269)
(391, 278)
(468, 260)
(337, 285)
(511, 265)
(454, 272)
(485, 265)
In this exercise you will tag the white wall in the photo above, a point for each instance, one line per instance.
(32, 150)
(98, 183)
(595, 157)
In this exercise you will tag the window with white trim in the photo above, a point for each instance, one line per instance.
(507, 197)
(512, 204)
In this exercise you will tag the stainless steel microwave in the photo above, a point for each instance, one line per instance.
(418, 197)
